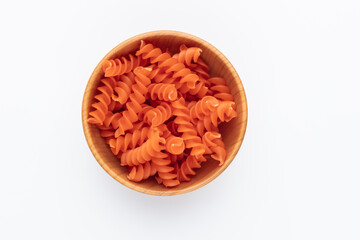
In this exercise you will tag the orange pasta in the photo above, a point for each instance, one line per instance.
(150, 149)
(220, 88)
(175, 145)
(163, 91)
(189, 55)
(117, 67)
(159, 113)
(103, 101)
(142, 172)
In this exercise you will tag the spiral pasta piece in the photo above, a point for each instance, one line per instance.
(187, 168)
(187, 78)
(201, 128)
(129, 116)
(189, 55)
(172, 65)
(148, 51)
(141, 172)
(103, 101)
(175, 145)
(123, 88)
(220, 89)
(156, 56)
(200, 89)
(165, 172)
(226, 111)
(150, 149)
(129, 140)
(223, 113)
(201, 68)
(114, 106)
(163, 91)
(189, 133)
(156, 116)
(204, 107)
(119, 66)
(215, 145)
(106, 132)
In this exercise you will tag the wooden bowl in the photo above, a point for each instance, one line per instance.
(233, 132)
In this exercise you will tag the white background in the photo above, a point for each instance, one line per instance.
(296, 175)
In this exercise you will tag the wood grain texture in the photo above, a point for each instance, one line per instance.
(233, 132)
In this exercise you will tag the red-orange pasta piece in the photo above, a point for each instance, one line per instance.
(187, 168)
(141, 172)
(220, 89)
(123, 88)
(165, 172)
(189, 55)
(163, 91)
(129, 140)
(150, 149)
(215, 146)
(103, 101)
(136, 99)
(175, 145)
(119, 66)
(156, 116)
(189, 133)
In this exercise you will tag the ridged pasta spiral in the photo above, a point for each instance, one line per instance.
(201, 129)
(204, 107)
(148, 51)
(141, 172)
(223, 113)
(179, 70)
(119, 66)
(175, 145)
(123, 88)
(156, 116)
(103, 101)
(187, 168)
(220, 89)
(129, 140)
(150, 149)
(189, 55)
(114, 106)
(201, 68)
(163, 91)
(106, 132)
(144, 110)
(163, 77)
(169, 65)
(137, 97)
(215, 146)
(189, 133)
(156, 56)
(200, 89)
(165, 172)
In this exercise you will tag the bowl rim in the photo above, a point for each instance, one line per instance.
(169, 191)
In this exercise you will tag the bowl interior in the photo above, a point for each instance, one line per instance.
(232, 132)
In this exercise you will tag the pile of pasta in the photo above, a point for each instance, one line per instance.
(159, 113)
